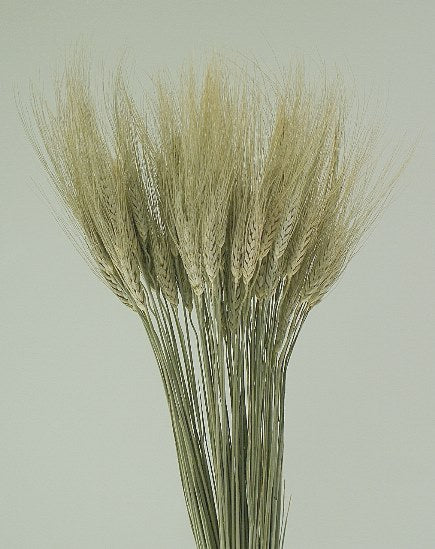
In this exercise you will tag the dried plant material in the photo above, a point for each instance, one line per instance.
(221, 216)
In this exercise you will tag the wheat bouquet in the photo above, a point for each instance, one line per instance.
(221, 215)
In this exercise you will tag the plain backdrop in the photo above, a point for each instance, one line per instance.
(87, 459)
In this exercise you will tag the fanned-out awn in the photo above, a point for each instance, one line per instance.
(220, 216)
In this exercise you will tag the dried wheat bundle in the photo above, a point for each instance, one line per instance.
(221, 216)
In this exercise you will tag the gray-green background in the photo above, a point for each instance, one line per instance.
(87, 459)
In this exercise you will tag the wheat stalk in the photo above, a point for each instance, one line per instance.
(221, 217)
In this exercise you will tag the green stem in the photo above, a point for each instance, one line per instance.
(225, 390)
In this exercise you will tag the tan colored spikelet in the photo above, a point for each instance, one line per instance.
(130, 274)
(211, 248)
(303, 238)
(139, 188)
(326, 267)
(127, 250)
(124, 238)
(104, 261)
(270, 230)
(164, 268)
(113, 283)
(129, 163)
(316, 289)
(251, 254)
(108, 272)
(137, 205)
(191, 262)
(273, 275)
(285, 233)
(188, 250)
